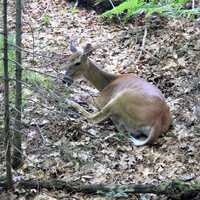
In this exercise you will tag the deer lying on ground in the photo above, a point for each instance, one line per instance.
(133, 104)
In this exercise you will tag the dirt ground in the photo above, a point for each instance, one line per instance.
(60, 143)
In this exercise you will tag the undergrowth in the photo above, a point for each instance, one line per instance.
(28, 76)
(11, 55)
(169, 8)
(31, 78)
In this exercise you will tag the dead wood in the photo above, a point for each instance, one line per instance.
(178, 190)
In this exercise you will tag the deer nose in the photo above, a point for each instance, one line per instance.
(67, 80)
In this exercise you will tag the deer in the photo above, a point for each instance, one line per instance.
(133, 104)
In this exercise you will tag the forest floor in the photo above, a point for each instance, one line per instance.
(59, 143)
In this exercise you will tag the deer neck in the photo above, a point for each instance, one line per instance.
(97, 77)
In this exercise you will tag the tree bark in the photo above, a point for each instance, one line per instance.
(6, 97)
(17, 140)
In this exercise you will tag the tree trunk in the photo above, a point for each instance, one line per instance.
(17, 140)
(6, 98)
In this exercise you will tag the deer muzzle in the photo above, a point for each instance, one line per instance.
(67, 80)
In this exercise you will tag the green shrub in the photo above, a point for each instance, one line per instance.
(170, 8)
(11, 55)
(30, 77)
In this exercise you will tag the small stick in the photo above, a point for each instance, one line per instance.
(143, 44)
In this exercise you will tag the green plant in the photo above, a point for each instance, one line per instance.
(131, 8)
(36, 79)
(30, 77)
(46, 20)
(11, 55)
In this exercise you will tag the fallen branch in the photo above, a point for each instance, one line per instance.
(178, 190)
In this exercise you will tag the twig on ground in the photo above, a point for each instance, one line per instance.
(151, 55)
(142, 47)
(193, 4)
(44, 141)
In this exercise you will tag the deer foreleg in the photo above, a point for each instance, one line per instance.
(77, 107)
(97, 117)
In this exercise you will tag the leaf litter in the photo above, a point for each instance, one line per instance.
(60, 143)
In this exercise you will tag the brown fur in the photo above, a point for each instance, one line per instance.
(133, 104)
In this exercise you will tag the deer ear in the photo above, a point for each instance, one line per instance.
(87, 49)
(73, 47)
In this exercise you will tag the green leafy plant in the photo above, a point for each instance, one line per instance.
(131, 8)
(46, 20)
(74, 10)
(36, 79)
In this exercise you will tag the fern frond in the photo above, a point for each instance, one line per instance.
(134, 7)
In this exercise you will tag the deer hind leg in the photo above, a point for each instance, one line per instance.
(119, 124)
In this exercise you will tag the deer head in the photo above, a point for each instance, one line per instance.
(77, 63)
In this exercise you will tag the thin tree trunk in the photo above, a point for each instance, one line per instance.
(17, 140)
(6, 99)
